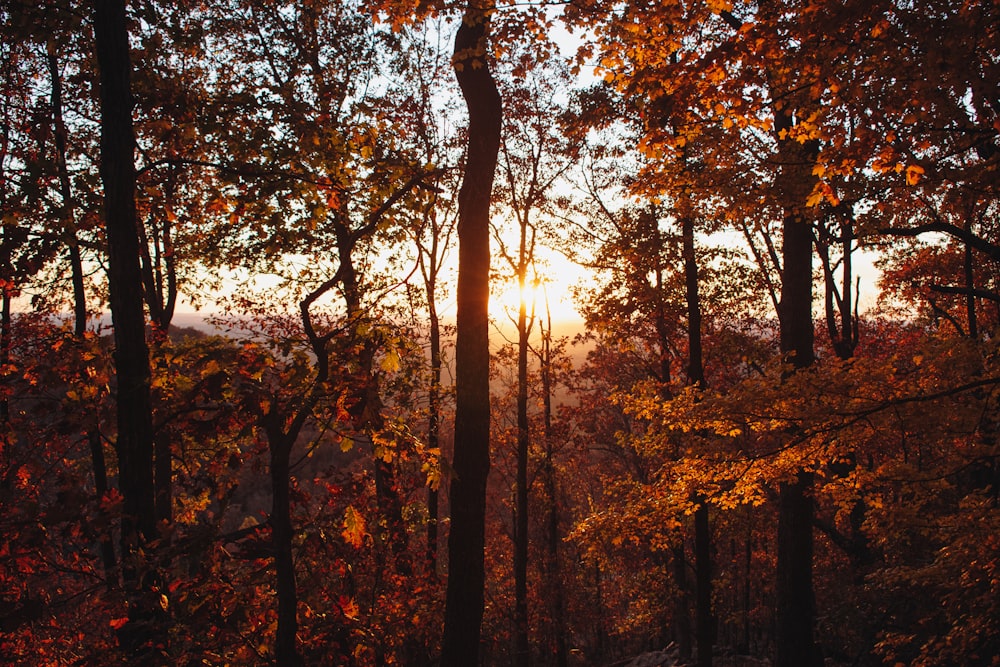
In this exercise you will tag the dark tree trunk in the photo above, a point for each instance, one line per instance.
(841, 315)
(704, 622)
(696, 371)
(433, 422)
(286, 651)
(970, 285)
(464, 603)
(556, 603)
(134, 412)
(5, 328)
(160, 283)
(100, 488)
(796, 291)
(744, 643)
(79, 300)
(79, 292)
(368, 406)
(796, 607)
(682, 601)
(66, 193)
(163, 474)
(522, 648)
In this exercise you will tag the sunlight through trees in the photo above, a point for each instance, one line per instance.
(542, 334)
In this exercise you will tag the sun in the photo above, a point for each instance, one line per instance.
(548, 296)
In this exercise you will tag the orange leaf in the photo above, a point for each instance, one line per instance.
(913, 174)
(354, 527)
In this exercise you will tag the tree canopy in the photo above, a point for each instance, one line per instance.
(769, 437)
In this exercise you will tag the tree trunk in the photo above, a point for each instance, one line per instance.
(134, 412)
(368, 406)
(970, 285)
(433, 422)
(682, 601)
(66, 212)
(286, 653)
(522, 648)
(6, 323)
(704, 623)
(161, 298)
(464, 603)
(796, 608)
(556, 603)
(97, 458)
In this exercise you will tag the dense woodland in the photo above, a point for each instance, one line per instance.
(354, 466)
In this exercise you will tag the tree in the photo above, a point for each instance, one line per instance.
(534, 157)
(464, 606)
(134, 410)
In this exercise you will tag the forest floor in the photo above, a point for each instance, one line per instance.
(669, 657)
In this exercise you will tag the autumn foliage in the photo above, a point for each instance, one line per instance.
(782, 223)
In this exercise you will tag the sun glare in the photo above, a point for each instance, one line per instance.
(548, 297)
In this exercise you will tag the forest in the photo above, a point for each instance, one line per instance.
(286, 373)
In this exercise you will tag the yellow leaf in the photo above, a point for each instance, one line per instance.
(354, 527)
(913, 174)
(390, 363)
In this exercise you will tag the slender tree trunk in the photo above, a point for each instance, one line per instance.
(100, 488)
(704, 621)
(134, 412)
(367, 410)
(66, 193)
(286, 651)
(970, 285)
(464, 603)
(522, 648)
(433, 421)
(848, 319)
(161, 297)
(163, 474)
(600, 632)
(557, 604)
(682, 601)
(744, 644)
(696, 371)
(79, 299)
(6, 323)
